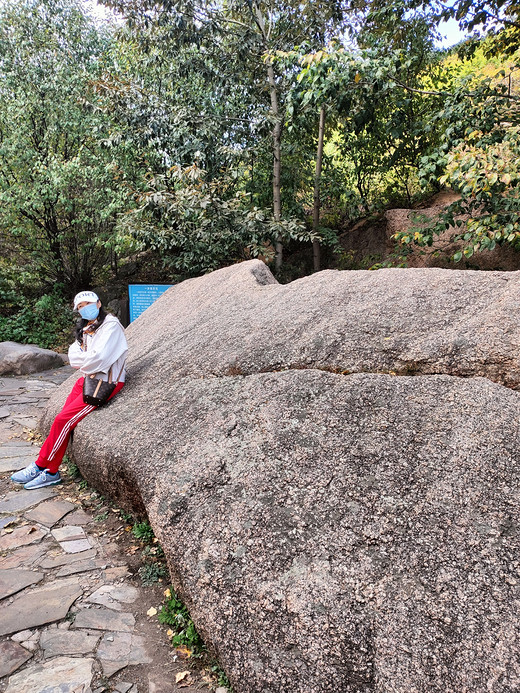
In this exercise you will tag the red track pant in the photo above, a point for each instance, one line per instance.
(69, 417)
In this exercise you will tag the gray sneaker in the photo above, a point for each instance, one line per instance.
(27, 474)
(44, 478)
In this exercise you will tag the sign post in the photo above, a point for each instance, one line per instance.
(140, 296)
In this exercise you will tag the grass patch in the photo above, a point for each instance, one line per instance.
(143, 532)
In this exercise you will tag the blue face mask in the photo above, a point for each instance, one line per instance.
(89, 312)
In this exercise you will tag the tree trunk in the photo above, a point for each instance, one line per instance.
(316, 249)
(277, 138)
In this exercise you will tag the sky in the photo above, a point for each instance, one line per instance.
(451, 32)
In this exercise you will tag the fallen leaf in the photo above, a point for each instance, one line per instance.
(183, 651)
(169, 632)
(167, 593)
(151, 611)
(181, 675)
(8, 530)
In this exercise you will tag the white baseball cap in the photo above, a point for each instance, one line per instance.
(88, 296)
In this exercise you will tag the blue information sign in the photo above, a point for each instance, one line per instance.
(140, 296)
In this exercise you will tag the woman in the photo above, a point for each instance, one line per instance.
(100, 347)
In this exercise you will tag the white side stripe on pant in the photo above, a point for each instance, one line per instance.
(83, 412)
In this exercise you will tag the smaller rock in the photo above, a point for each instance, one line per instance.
(20, 359)
(4, 412)
(221, 689)
(30, 645)
(22, 635)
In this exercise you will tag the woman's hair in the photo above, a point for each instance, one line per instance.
(82, 322)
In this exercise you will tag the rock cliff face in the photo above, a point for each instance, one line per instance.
(332, 468)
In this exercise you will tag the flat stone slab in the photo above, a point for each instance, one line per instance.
(68, 533)
(16, 501)
(119, 650)
(26, 556)
(72, 539)
(112, 596)
(59, 675)
(50, 512)
(68, 642)
(13, 464)
(77, 546)
(15, 580)
(18, 444)
(11, 450)
(65, 559)
(21, 536)
(39, 606)
(104, 619)
(4, 412)
(4, 521)
(81, 567)
(27, 421)
(12, 656)
(80, 517)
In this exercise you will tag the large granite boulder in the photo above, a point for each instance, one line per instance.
(332, 468)
(21, 359)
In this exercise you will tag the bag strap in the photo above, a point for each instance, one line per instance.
(120, 372)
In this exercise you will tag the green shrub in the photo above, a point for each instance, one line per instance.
(144, 532)
(46, 322)
(177, 616)
(151, 573)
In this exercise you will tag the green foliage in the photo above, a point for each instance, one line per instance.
(174, 614)
(143, 532)
(199, 225)
(150, 573)
(72, 469)
(478, 158)
(222, 679)
(45, 322)
(59, 187)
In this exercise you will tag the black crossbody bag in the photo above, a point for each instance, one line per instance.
(96, 391)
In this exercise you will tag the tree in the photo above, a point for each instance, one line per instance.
(59, 188)
(239, 37)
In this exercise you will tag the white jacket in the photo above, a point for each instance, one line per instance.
(105, 348)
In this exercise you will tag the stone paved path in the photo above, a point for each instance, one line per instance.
(71, 616)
